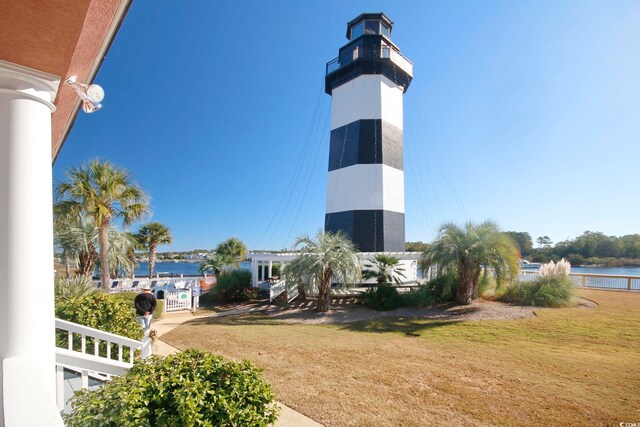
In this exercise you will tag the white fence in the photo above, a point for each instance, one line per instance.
(178, 300)
(596, 281)
(276, 289)
(93, 354)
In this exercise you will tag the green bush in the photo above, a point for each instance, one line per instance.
(74, 287)
(555, 291)
(192, 388)
(436, 291)
(107, 312)
(382, 298)
(231, 285)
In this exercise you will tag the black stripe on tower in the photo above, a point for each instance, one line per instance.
(358, 225)
(357, 147)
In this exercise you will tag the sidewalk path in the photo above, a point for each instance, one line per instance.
(288, 417)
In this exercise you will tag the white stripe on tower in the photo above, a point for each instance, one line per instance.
(369, 96)
(366, 187)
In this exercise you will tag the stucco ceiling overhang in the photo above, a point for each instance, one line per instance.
(64, 38)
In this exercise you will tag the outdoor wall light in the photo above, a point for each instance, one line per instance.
(91, 95)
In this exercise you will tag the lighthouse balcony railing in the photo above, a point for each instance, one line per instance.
(370, 52)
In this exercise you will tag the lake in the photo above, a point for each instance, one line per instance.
(186, 268)
(192, 269)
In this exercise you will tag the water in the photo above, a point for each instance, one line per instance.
(177, 268)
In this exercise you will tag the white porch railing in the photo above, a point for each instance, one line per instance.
(292, 291)
(99, 355)
(276, 289)
(596, 281)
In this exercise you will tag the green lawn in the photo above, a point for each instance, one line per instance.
(574, 366)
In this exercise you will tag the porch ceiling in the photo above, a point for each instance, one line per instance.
(63, 38)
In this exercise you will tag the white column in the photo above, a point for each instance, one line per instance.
(254, 273)
(27, 325)
(270, 268)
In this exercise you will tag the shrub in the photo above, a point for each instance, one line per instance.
(75, 287)
(192, 388)
(576, 259)
(553, 291)
(436, 291)
(382, 298)
(231, 285)
(107, 312)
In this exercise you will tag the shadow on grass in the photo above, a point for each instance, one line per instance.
(410, 321)
(410, 327)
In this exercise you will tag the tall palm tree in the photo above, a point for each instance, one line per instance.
(233, 248)
(385, 269)
(150, 236)
(103, 193)
(326, 256)
(131, 252)
(464, 251)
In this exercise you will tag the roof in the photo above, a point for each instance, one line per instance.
(379, 15)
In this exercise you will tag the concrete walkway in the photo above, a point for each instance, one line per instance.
(288, 417)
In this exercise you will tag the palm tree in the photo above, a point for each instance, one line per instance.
(233, 248)
(463, 251)
(385, 269)
(215, 263)
(297, 272)
(131, 252)
(75, 238)
(324, 257)
(103, 193)
(150, 236)
(120, 246)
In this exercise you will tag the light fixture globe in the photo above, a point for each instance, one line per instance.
(95, 93)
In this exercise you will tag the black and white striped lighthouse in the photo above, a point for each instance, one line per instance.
(365, 193)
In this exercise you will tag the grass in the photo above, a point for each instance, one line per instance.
(569, 366)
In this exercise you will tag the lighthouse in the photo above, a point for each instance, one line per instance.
(365, 192)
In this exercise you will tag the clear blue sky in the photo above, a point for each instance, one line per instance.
(527, 113)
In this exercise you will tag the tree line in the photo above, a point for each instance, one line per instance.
(591, 247)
